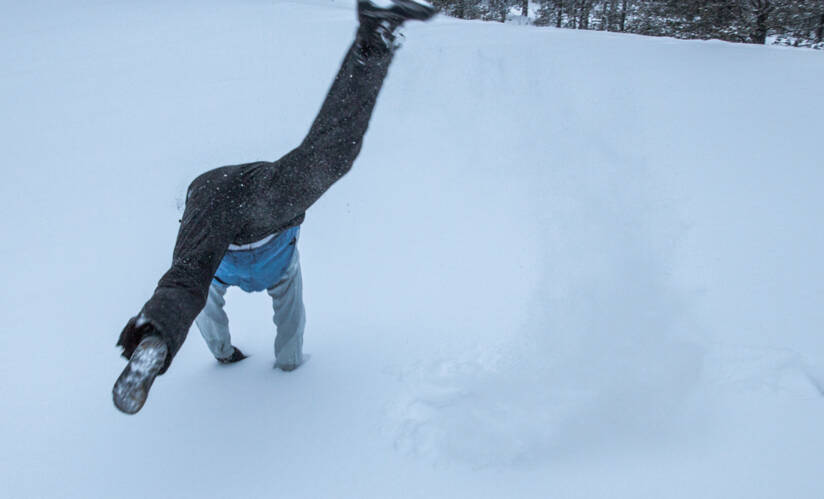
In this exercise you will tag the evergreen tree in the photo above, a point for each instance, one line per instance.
(800, 23)
(760, 12)
(496, 10)
(794, 22)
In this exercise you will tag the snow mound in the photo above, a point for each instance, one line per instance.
(601, 355)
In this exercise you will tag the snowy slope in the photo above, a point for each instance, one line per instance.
(566, 264)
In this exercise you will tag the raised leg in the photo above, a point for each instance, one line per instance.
(335, 138)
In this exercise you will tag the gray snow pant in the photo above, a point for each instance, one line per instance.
(289, 318)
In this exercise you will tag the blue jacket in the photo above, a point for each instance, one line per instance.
(259, 268)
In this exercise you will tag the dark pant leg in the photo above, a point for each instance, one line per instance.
(336, 136)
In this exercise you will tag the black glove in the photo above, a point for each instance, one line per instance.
(236, 356)
(131, 336)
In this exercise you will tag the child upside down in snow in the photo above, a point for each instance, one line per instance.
(241, 223)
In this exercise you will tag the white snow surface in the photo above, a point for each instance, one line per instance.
(566, 264)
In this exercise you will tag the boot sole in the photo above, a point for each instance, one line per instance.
(132, 387)
(397, 12)
(412, 9)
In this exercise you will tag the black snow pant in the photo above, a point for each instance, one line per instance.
(240, 204)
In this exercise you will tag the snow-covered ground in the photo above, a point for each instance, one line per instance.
(566, 264)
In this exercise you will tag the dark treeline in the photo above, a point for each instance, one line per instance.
(790, 22)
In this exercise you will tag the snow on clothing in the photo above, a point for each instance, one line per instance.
(246, 268)
(241, 204)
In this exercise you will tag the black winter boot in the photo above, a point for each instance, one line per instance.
(378, 24)
(400, 11)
